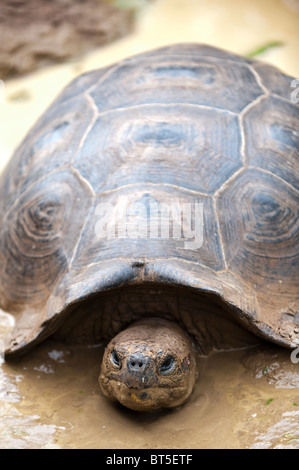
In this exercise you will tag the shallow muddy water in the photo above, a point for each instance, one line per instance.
(50, 398)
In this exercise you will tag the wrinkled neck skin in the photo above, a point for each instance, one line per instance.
(149, 365)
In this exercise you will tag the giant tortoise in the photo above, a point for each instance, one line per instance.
(159, 195)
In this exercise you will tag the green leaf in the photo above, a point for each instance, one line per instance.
(265, 48)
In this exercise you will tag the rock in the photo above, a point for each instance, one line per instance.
(39, 32)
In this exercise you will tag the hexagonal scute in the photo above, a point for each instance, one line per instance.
(189, 146)
(153, 223)
(272, 141)
(50, 145)
(39, 236)
(277, 82)
(208, 81)
(192, 51)
(259, 223)
(81, 84)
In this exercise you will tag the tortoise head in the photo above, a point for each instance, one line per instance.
(149, 365)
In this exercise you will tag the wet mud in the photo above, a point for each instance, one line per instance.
(50, 398)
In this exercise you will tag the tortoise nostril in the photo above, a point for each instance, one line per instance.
(137, 362)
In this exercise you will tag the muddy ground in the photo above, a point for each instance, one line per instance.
(50, 398)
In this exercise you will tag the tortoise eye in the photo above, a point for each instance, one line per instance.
(167, 365)
(115, 358)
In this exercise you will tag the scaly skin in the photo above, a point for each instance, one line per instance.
(149, 365)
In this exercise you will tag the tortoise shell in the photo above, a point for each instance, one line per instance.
(165, 184)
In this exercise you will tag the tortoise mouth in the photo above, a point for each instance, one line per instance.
(148, 399)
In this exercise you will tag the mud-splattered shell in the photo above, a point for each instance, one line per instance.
(204, 133)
